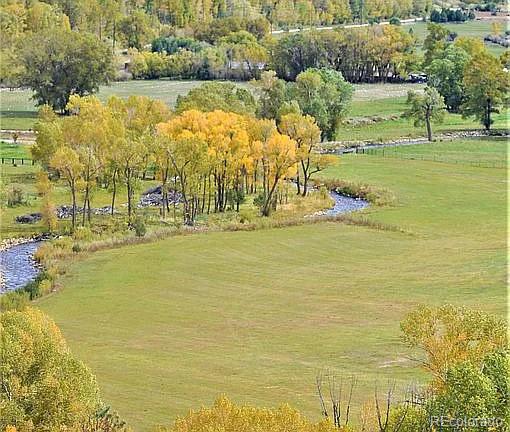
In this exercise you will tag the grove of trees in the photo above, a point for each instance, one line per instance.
(365, 54)
(213, 159)
(470, 79)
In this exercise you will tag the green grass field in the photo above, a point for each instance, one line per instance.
(368, 100)
(19, 112)
(170, 325)
(401, 127)
(477, 29)
(484, 152)
(11, 150)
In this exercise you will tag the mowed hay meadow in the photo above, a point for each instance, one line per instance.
(171, 325)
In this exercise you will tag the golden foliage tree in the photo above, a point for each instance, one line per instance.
(225, 416)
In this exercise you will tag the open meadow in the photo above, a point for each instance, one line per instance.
(172, 324)
(476, 28)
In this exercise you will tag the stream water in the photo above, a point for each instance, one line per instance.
(18, 266)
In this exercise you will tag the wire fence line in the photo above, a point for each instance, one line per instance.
(434, 158)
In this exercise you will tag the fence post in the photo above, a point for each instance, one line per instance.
(13, 161)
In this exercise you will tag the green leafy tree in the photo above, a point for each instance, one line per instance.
(435, 42)
(446, 73)
(42, 386)
(324, 95)
(474, 392)
(451, 334)
(486, 88)
(426, 108)
(136, 29)
(58, 64)
(272, 95)
(242, 47)
(212, 96)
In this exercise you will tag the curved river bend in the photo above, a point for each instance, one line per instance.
(19, 268)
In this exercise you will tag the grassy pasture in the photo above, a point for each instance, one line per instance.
(11, 150)
(485, 152)
(402, 127)
(170, 325)
(476, 28)
(19, 112)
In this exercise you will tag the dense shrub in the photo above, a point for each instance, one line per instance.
(139, 226)
(40, 286)
(451, 15)
(173, 44)
(14, 300)
(372, 194)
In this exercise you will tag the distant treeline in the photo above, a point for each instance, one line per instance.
(451, 15)
(376, 53)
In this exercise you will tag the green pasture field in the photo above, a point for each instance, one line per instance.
(11, 150)
(170, 325)
(19, 112)
(476, 28)
(402, 127)
(368, 100)
(483, 151)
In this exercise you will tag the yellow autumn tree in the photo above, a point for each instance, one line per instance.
(278, 162)
(304, 131)
(67, 163)
(226, 416)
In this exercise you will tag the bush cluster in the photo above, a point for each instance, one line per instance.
(374, 195)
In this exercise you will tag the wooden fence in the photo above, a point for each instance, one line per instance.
(17, 161)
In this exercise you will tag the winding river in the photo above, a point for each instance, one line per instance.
(19, 268)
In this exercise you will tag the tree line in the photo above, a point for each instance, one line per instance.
(376, 53)
(469, 79)
(233, 37)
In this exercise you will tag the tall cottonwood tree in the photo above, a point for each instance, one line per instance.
(67, 162)
(486, 87)
(87, 63)
(139, 116)
(426, 108)
(305, 132)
